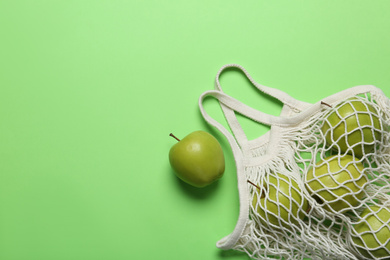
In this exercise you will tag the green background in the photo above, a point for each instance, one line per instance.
(90, 90)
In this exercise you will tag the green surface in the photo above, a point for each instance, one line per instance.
(90, 90)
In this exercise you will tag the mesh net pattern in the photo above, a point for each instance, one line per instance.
(326, 193)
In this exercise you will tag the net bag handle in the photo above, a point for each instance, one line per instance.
(273, 92)
(287, 101)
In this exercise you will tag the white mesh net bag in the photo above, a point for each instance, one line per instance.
(317, 185)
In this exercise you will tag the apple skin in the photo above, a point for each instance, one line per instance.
(339, 127)
(328, 182)
(198, 159)
(374, 218)
(280, 201)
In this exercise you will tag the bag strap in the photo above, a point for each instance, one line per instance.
(275, 93)
(229, 241)
(287, 101)
(256, 115)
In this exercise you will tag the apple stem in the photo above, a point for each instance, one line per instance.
(262, 194)
(174, 137)
(326, 104)
(254, 184)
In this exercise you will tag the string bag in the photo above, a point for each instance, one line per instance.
(317, 184)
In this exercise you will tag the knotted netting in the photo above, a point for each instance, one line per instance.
(317, 185)
(344, 160)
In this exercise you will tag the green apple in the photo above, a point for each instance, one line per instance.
(338, 182)
(197, 159)
(376, 242)
(279, 200)
(353, 127)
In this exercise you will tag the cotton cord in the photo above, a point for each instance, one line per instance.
(285, 213)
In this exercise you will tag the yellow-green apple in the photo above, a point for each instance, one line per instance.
(371, 236)
(353, 127)
(279, 200)
(337, 182)
(197, 159)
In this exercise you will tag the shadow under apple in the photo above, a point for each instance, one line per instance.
(194, 192)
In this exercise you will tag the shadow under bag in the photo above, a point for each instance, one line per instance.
(317, 185)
